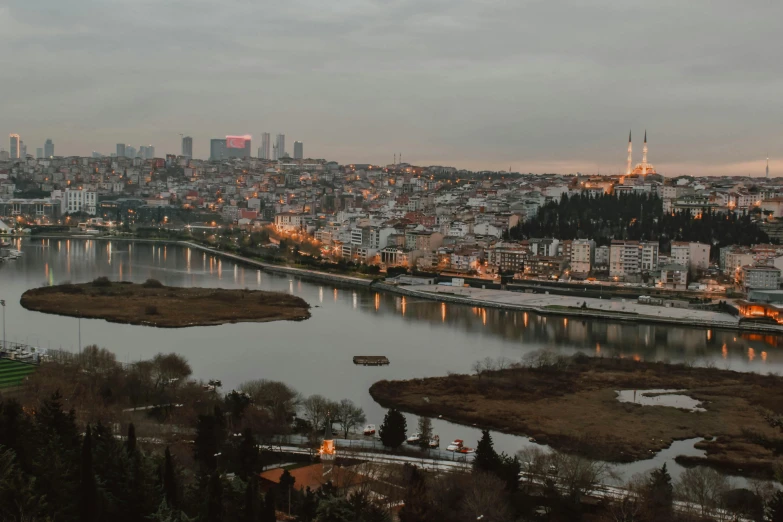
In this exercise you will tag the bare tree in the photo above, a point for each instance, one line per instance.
(349, 415)
(277, 398)
(703, 487)
(485, 498)
(316, 407)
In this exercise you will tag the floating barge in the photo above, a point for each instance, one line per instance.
(371, 360)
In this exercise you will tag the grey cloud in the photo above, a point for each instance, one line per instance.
(480, 84)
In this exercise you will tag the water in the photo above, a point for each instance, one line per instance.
(421, 338)
(669, 398)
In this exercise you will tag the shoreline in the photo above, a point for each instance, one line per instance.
(726, 322)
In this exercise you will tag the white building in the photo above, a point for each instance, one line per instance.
(632, 257)
(601, 256)
(80, 200)
(760, 277)
(694, 256)
(582, 255)
(674, 277)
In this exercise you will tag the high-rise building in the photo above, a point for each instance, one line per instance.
(146, 152)
(49, 149)
(130, 152)
(298, 150)
(150, 152)
(217, 149)
(240, 147)
(280, 146)
(187, 147)
(22, 150)
(39, 153)
(265, 151)
(15, 149)
(120, 150)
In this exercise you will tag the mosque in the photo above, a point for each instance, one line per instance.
(643, 168)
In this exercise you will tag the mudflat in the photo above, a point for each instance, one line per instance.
(571, 403)
(152, 304)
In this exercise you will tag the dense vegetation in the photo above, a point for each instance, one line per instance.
(637, 217)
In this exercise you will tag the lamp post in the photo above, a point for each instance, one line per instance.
(2, 303)
(79, 318)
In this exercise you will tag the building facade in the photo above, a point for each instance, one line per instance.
(16, 149)
(80, 200)
(298, 150)
(49, 149)
(582, 255)
(632, 257)
(187, 147)
(760, 278)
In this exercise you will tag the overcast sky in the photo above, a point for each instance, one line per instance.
(538, 86)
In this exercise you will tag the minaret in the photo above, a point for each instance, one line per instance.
(327, 447)
(767, 166)
(644, 155)
(630, 155)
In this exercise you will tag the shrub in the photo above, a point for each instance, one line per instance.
(71, 289)
(152, 283)
(151, 310)
(102, 281)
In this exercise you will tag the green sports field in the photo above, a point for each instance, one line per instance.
(12, 373)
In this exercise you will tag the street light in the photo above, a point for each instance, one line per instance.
(2, 303)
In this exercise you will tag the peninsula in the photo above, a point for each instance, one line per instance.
(153, 304)
(572, 404)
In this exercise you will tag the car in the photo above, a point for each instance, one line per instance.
(414, 439)
(369, 429)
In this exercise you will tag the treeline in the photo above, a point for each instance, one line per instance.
(637, 217)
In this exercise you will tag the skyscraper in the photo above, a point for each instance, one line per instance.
(298, 150)
(130, 152)
(39, 153)
(187, 147)
(49, 149)
(150, 152)
(15, 149)
(120, 150)
(217, 149)
(22, 150)
(265, 151)
(280, 146)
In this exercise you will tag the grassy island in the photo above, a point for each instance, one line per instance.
(152, 304)
(571, 403)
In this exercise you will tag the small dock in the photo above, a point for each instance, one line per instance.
(371, 360)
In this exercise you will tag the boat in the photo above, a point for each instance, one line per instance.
(369, 429)
(435, 441)
(458, 446)
(414, 439)
(13, 254)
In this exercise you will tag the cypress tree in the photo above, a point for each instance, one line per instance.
(659, 496)
(251, 500)
(247, 455)
(131, 445)
(169, 480)
(268, 514)
(87, 493)
(486, 458)
(393, 429)
(215, 499)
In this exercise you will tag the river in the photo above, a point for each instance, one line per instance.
(421, 338)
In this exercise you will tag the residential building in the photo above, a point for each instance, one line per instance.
(694, 256)
(298, 150)
(507, 257)
(760, 278)
(632, 257)
(582, 255)
(601, 257)
(289, 221)
(674, 276)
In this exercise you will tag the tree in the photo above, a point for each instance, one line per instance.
(316, 409)
(210, 435)
(415, 504)
(658, 497)
(236, 404)
(775, 508)
(87, 491)
(425, 432)
(131, 443)
(393, 429)
(486, 458)
(486, 499)
(170, 491)
(704, 487)
(251, 500)
(247, 455)
(268, 513)
(286, 488)
(215, 498)
(277, 398)
(349, 416)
